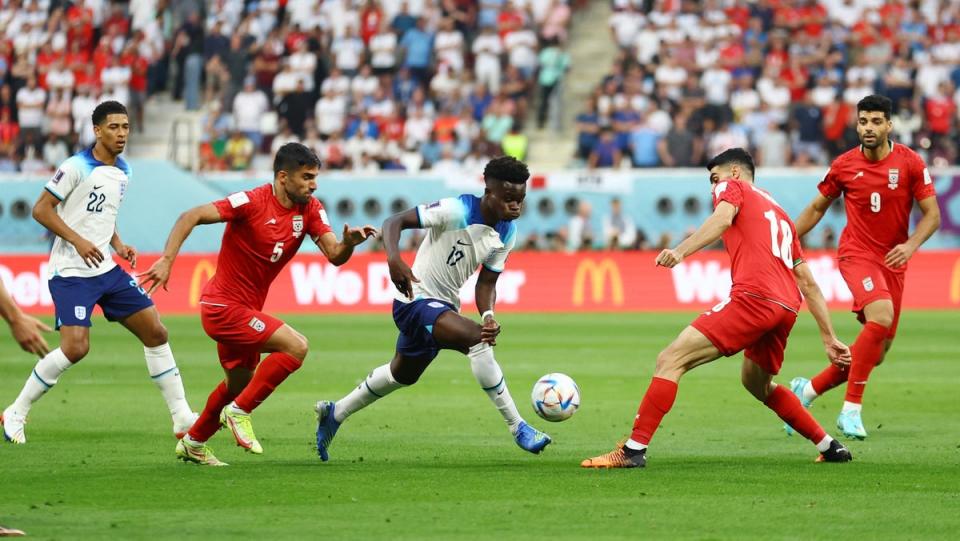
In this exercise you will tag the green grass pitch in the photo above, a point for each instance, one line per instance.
(435, 461)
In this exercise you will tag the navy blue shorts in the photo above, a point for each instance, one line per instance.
(415, 321)
(115, 291)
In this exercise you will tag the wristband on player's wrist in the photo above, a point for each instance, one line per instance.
(483, 316)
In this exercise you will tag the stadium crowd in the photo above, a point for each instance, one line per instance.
(781, 77)
(378, 85)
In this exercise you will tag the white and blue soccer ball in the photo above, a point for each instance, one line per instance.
(555, 397)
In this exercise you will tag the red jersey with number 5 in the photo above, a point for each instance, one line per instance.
(762, 244)
(260, 239)
(878, 197)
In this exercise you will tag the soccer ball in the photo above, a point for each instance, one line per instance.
(555, 397)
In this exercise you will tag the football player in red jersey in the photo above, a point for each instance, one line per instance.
(879, 181)
(265, 227)
(767, 265)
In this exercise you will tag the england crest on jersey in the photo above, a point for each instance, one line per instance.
(893, 177)
(297, 226)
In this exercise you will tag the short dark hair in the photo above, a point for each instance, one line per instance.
(292, 156)
(876, 102)
(731, 156)
(107, 108)
(506, 169)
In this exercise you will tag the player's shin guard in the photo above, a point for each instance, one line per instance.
(490, 377)
(656, 403)
(44, 376)
(788, 407)
(377, 385)
(828, 378)
(866, 353)
(166, 376)
(269, 375)
(209, 421)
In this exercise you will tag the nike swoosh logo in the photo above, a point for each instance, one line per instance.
(98, 187)
(858, 175)
(461, 243)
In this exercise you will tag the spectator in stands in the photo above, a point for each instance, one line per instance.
(497, 122)
(773, 150)
(31, 100)
(554, 63)
(679, 147)
(9, 131)
(642, 145)
(59, 113)
(383, 50)
(808, 126)
(330, 112)
(619, 231)
(579, 230)
(295, 106)
(55, 151)
(940, 111)
(521, 47)
(139, 67)
(9, 160)
(284, 135)
(906, 122)
(515, 143)
(487, 49)
(249, 106)
(403, 20)
(8, 101)
(417, 46)
(188, 52)
(239, 151)
(605, 153)
(449, 46)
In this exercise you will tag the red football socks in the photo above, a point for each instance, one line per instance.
(271, 373)
(788, 407)
(866, 353)
(830, 377)
(209, 421)
(655, 404)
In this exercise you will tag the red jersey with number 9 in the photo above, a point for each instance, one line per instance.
(260, 239)
(878, 197)
(762, 244)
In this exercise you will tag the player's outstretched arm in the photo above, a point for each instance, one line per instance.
(837, 351)
(159, 273)
(400, 273)
(25, 329)
(339, 252)
(486, 294)
(708, 233)
(928, 224)
(45, 213)
(811, 216)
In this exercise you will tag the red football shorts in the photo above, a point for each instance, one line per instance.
(240, 332)
(744, 322)
(871, 281)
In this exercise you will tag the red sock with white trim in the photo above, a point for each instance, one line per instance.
(656, 403)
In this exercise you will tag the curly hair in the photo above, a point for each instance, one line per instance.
(876, 102)
(107, 108)
(506, 169)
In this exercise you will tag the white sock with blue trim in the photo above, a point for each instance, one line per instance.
(490, 377)
(166, 376)
(44, 376)
(377, 385)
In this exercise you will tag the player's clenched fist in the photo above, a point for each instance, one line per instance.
(669, 258)
(156, 276)
(402, 276)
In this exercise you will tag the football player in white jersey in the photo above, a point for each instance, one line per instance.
(463, 233)
(80, 205)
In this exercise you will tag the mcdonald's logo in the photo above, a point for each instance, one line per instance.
(955, 283)
(598, 274)
(202, 272)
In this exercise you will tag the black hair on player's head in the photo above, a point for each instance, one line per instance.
(733, 155)
(506, 169)
(876, 102)
(107, 108)
(292, 156)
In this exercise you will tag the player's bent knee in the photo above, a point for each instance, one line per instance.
(299, 348)
(668, 364)
(158, 336)
(75, 352)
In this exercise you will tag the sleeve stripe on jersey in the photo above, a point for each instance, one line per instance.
(798, 261)
(53, 193)
(491, 269)
(419, 219)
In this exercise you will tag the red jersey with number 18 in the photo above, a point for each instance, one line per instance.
(878, 197)
(260, 239)
(762, 244)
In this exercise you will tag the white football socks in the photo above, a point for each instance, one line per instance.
(824, 444)
(808, 393)
(850, 406)
(166, 376)
(377, 385)
(635, 445)
(490, 377)
(44, 376)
